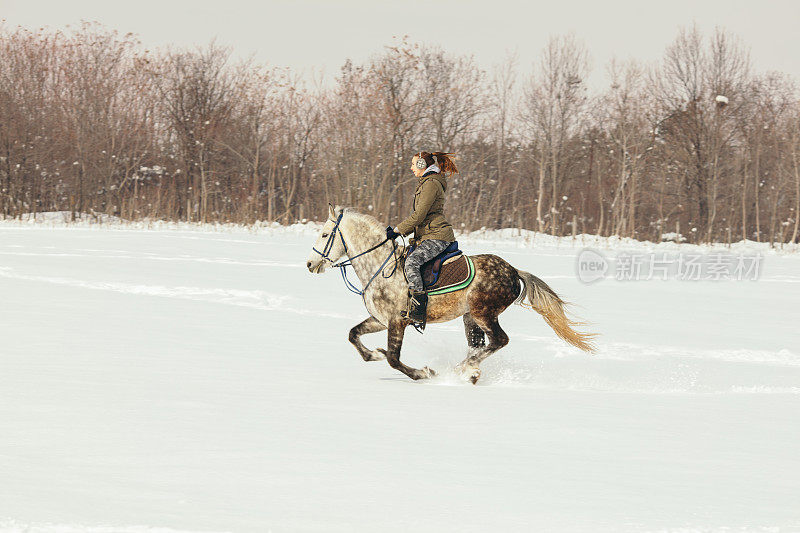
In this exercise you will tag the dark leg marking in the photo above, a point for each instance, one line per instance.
(469, 367)
(497, 339)
(370, 325)
(397, 330)
(475, 335)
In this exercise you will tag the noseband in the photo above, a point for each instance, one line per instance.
(326, 251)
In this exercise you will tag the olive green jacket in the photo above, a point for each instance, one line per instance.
(427, 219)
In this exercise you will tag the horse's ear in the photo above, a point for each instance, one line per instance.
(331, 212)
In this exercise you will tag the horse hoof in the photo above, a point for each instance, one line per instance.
(471, 373)
(429, 372)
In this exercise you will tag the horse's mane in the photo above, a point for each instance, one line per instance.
(363, 217)
(373, 223)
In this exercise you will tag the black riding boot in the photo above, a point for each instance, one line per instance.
(417, 308)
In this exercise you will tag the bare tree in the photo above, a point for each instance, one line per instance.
(552, 109)
(700, 94)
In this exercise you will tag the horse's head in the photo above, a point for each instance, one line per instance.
(329, 246)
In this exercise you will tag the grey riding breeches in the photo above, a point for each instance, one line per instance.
(427, 250)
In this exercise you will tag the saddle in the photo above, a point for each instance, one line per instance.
(449, 271)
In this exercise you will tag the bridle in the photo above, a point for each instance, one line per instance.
(326, 250)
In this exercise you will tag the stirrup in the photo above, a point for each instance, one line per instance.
(419, 326)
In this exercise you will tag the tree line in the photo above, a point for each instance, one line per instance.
(697, 144)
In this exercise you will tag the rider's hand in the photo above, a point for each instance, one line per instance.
(391, 234)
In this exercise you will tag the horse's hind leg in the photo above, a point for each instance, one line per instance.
(497, 339)
(370, 325)
(475, 335)
(397, 330)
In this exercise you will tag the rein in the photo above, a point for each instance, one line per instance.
(326, 250)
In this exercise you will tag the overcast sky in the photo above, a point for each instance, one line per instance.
(316, 34)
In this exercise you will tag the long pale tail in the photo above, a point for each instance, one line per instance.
(547, 303)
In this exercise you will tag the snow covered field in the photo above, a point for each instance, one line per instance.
(180, 379)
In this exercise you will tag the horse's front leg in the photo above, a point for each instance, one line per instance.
(370, 325)
(397, 329)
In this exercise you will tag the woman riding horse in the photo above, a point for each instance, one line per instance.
(496, 284)
(432, 232)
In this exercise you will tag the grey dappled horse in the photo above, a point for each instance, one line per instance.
(377, 264)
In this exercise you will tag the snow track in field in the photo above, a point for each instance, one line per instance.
(632, 368)
(252, 299)
(674, 368)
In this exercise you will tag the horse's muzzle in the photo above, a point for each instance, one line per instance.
(315, 267)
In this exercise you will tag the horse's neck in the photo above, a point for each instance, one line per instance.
(360, 237)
